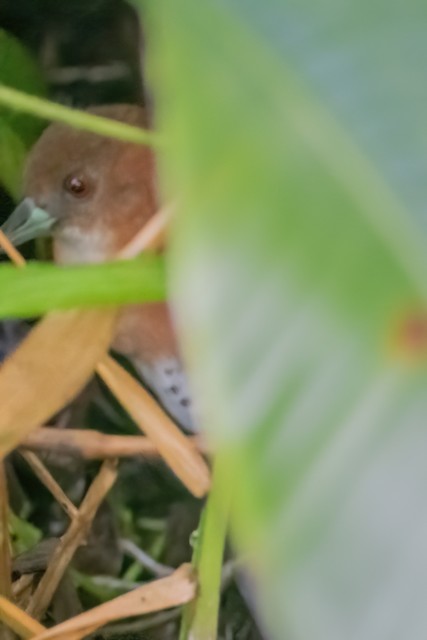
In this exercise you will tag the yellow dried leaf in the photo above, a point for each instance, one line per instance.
(16, 619)
(49, 368)
(174, 590)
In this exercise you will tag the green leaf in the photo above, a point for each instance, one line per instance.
(24, 535)
(19, 70)
(12, 158)
(298, 152)
(43, 287)
(17, 132)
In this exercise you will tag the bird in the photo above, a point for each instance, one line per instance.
(92, 194)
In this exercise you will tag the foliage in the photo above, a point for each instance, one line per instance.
(299, 268)
(23, 534)
(17, 132)
(42, 287)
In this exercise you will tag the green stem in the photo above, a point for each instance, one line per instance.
(42, 108)
(200, 617)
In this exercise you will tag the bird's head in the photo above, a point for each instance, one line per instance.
(90, 192)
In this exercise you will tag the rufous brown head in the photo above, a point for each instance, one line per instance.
(93, 193)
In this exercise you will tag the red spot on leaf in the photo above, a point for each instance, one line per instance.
(411, 337)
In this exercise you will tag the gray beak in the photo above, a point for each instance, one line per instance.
(27, 222)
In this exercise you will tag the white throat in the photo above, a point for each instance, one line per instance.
(74, 245)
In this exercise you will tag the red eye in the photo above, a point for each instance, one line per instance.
(76, 185)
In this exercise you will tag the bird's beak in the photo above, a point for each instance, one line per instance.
(27, 222)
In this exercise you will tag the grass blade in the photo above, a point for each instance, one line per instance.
(200, 618)
(41, 287)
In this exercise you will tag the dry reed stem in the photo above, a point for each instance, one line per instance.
(177, 450)
(21, 589)
(13, 253)
(93, 445)
(73, 538)
(19, 621)
(46, 478)
(174, 590)
(151, 236)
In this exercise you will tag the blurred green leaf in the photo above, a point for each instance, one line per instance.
(43, 287)
(12, 158)
(24, 535)
(17, 131)
(19, 101)
(19, 70)
(298, 147)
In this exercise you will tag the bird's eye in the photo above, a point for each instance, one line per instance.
(76, 185)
